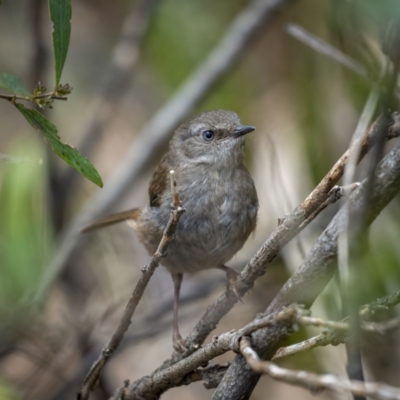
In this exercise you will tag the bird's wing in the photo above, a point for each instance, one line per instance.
(159, 182)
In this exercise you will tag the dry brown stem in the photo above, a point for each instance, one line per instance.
(147, 272)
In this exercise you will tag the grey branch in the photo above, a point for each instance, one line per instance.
(186, 371)
(313, 382)
(322, 47)
(313, 274)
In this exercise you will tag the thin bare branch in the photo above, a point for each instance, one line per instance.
(333, 337)
(313, 382)
(322, 47)
(147, 272)
(335, 194)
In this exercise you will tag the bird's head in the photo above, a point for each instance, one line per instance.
(213, 137)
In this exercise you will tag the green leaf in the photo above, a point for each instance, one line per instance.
(60, 14)
(13, 84)
(69, 154)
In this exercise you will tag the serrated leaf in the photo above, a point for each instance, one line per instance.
(60, 14)
(13, 84)
(68, 153)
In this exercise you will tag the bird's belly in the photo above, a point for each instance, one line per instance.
(207, 236)
(221, 211)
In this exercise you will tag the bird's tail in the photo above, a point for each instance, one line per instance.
(132, 214)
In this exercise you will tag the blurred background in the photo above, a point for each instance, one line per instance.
(305, 107)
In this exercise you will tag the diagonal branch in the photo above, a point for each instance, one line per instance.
(287, 230)
(312, 276)
(147, 272)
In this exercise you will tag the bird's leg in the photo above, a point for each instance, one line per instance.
(178, 342)
(231, 280)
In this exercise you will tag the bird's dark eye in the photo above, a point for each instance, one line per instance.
(208, 135)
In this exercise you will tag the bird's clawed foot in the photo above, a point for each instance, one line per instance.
(231, 282)
(178, 342)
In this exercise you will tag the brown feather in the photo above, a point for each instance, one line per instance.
(159, 182)
(134, 213)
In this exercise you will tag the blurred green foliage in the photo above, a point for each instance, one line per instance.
(181, 35)
(7, 392)
(25, 236)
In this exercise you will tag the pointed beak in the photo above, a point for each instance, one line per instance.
(242, 130)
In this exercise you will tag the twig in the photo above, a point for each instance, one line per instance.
(175, 195)
(331, 337)
(322, 47)
(155, 135)
(147, 272)
(313, 382)
(294, 314)
(335, 194)
(326, 49)
(50, 95)
(336, 337)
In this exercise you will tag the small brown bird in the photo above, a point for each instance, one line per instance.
(218, 193)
